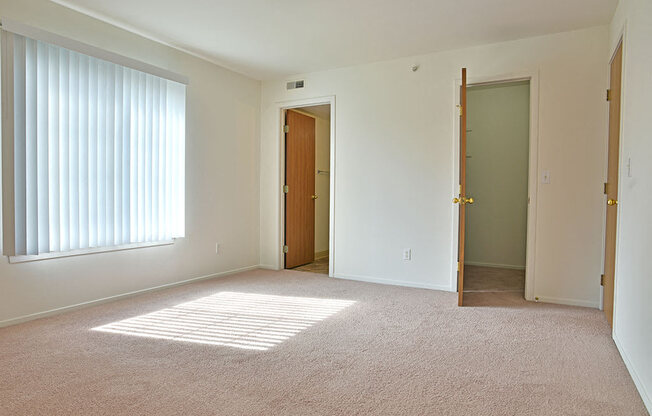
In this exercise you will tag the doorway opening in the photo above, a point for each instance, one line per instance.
(497, 159)
(503, 120)
(307, 188)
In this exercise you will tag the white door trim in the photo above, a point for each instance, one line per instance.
(533, 77)
(281, 107)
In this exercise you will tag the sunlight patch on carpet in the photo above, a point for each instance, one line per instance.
(233, 319)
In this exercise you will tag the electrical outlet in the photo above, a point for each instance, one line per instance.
(407, 254)
(218, 249)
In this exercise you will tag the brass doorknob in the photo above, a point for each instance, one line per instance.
(463, 200)
(314, 197)
(612, 202)
(468, 200)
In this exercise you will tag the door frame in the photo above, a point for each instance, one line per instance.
(533, 173)
(281, 108)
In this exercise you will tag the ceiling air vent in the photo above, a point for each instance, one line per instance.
(295, 84)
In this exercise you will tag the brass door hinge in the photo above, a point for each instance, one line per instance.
(458, 266)
(608, 95)
(286, 189)
(601, 280)
(605, 188)
(285, 249)
(459, 107)
(286, 129)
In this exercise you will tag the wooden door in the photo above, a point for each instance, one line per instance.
(461, 198)
(611, 187)
(300, 189)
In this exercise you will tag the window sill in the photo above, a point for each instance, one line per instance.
(85, 251)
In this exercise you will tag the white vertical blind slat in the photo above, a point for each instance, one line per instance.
(42, 157)
(64, 170)
(163, 163)
(73, 152)
(126, 146)
(101, 154)
(84, 155)
(179, 157)
(133, 159)
(155, 158)
(149, 94)
(92, 153)
(98, 152)
(168, 161)
(117, 156)
(53, 145)
(31, 151)
(20, 151)
(140, 155)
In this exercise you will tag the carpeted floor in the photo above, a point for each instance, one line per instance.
(493, 279)
(293, 343)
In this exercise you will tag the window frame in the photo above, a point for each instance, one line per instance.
(7, 208)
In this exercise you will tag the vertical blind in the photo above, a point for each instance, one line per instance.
(99, 152)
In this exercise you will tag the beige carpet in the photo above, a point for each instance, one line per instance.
(293, 343)
(493, 279)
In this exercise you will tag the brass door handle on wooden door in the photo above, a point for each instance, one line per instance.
(612, 202)
(463, 200)
(314, 196)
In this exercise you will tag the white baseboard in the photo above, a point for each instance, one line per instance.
(647, 398)
(495, 265)
(37, 315)
(268, 267)
(393, 282)
(567, 301)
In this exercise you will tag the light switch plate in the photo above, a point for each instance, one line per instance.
(407, 254)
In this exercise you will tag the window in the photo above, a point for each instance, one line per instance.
(93, 147)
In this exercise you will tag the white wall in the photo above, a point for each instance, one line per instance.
(497, 153)
(632, 305)
(394, 132)
(222, 181)
(322, 183)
